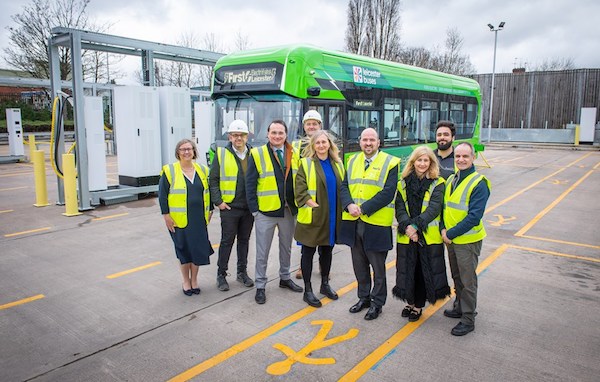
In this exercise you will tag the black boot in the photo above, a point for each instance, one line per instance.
(309, 296)
(326, 289)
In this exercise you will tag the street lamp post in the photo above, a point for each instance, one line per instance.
(495, 30)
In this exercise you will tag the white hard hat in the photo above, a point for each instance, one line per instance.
(312, 114)
(238, 126)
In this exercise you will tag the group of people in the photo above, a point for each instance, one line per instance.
(304, 190)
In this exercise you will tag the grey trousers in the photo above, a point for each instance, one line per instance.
(264, 227)
(362, 262)
(463, 259)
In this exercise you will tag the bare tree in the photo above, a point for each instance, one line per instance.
(29, 38)
(241, 42)
(450, 59)
(558, 63)
(374, 28)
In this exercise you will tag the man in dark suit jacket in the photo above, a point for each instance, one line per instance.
(367, 195)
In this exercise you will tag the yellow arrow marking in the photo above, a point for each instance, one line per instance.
(319, 342)
(558, 181)
(501, 220)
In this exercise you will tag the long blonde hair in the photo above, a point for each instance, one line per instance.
(434, 168)
(309, 149)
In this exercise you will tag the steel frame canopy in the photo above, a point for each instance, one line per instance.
(78, 40)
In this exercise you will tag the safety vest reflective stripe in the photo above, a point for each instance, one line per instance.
(228, 174)
(432, 235)
(305, 212)
(266, 190)
(462, 204)
(457, 207)
(363, 185)
(177, 198)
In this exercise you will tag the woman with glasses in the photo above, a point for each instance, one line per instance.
(420, 267)
(184, 199)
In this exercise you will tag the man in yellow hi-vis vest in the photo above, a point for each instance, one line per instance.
(227, 183)
(467, 193)
(270, 193)
(367, 195)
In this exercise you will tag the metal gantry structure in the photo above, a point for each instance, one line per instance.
(79, 40)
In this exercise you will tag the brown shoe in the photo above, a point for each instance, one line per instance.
(299, 274)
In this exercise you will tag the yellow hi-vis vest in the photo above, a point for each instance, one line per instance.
(305, 213)
(178, 192)
(363, 185)
(228, 174)
(432, 235)
(457, 207)
(267, 192)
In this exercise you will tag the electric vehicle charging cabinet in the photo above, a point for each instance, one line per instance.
(175, 119)
(137, 133)
(15, 132)
(96, 148)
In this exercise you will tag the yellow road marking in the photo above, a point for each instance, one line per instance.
(13, 188)
(23, 301)
(561, 241)
(110, 216)
(557, 253)
(390, 344)
(318, 342)
(115, 275)
(533, 221)
(26, 232)
(490, 209)
(258, 337)
(5, 211)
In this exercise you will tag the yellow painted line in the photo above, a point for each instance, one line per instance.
(110, 216)
(26, 232)
(16, 174)
(5, 211)
(23, 301)
(390, 344)
(556, 253)
(115, 275)
(13, 188)
(216, 245)
(533, 221)
(561, 241)
(251, 341)
(511, 160)
(491, 208)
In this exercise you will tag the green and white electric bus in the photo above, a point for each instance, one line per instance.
(351, 92)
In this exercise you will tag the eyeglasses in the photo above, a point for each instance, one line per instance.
(184, 149)
(238, 135)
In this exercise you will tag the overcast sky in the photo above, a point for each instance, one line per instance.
(535, 30)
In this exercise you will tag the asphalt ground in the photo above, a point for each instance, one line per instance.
(97, 297)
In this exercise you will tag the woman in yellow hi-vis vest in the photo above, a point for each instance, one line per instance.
(420, 266)
(317, 188)
(184, 200)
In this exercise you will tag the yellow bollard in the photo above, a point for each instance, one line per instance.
(32, 146)
(70, 183)
(576, 135)
(39, 171)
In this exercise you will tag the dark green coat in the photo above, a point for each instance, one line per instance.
(317, 233)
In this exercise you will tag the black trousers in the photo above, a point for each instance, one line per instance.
(235, 223)
(362, 262)
(306, 262)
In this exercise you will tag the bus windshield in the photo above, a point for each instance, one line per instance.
(258, 111)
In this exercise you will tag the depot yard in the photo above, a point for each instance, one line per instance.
(98, 296)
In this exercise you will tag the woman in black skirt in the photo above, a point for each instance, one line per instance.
(420, 267)
(184, 200)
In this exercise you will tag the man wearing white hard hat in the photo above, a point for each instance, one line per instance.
(227, 182)
(311, 122)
